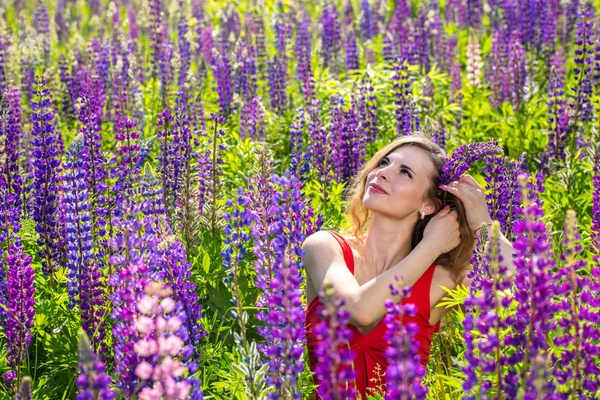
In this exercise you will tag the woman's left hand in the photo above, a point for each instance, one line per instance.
(473, 197)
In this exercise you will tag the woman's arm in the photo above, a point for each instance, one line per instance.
(324, 262)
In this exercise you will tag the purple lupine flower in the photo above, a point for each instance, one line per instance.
(222, 71)
(152, 192)
(129, 246)
(133, 23)
(42, 27)
(160, 345)
(404, 371)
(156, 27)
(462, 158)
(420, 46)
(25, 389)
(297, 131)
(365, 102)
(253, 120)
(388, 50)
(93, 382)
(474, 9)
(558, 118)
(206, 44)
(283, 35)
(208, 168)
(20, 305)
(500, 175)
(46, 166)
(574, 364)
(366, 29)
(166, 168)
(321, 149)
(78, 227)
(333, 374)
(456, 83)
(351, 51)
(277, 85)
(183, 47)
(302, 48)
(348, 140)
(127, 169)
(484, 322)
(595, 225)
(535, 285)
(331, 38)
(3, 62)
(584, 43)
(406, 118)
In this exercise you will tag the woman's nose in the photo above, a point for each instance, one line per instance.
(382, 172)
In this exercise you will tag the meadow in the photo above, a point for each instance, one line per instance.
(162, 162)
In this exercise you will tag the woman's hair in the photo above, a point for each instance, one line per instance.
(457, 260)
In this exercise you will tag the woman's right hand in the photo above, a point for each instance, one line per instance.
(442, 233)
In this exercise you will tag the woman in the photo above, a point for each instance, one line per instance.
(401, 228)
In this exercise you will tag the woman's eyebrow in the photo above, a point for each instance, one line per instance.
(408, 168)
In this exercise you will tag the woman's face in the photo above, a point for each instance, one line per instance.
(405, 176)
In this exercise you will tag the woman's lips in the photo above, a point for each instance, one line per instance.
(376, 189)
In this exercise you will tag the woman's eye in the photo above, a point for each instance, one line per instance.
(407, 173)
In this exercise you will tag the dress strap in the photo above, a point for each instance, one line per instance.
(346, 249)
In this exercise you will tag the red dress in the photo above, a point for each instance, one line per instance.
(370, 363)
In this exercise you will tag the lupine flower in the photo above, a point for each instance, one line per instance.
(126, 170)
(574, 365)
(77, 219)
(535, 286)
(365, 103)
(462, 158)
(42, 26)
(222, 71)
(334, 374)
(331, 37)
(20, 304)
(156, 32)
(160, 346)
(168, 150)
(277, 85)
(128, 282)
(152, 192)
(321, 150)
(500, 175)
(485, 322)
(595, 228)
(183, 46)
(558, 118)
(351, 51)
(584, 43)
(93, 382)
(474, 63)
(404, 372)
(407, 120)
(297, 130)
(46, 166)
(11, 133)
(348, 141)
(366, 29)
(283, 35)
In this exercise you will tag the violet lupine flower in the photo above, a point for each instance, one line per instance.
(333, 374)
(209, 171)
(462, 158)
(558, 118)
(78, 227)
(302, 48)
(366, 29)
(160, 345)
(535, 286)
(156, 27)
(574, 365)
(500, 175)
(283, 35)
(584, 50)
(277, 85)
(485, 322)
(331, 38)
(456, 83)
(3, 57)
(351, 51)
(133, 23)
(297, 131)
(206, 44)
(595, 226)
(404, 371)
(25, 389)
(20, 304)
(41, 22)
(322, 156)
(173, 268)
(93, 382)
(406, 115)
(348, 140)
(474, 10)
(222, 71)
(127, 170)
(11, 132)
(420, 47)
(152, 192)
(46, 166)
(129, 245)
(92, 306)
(388, 50)
(364, 102)
(183, 47)
(168, 150)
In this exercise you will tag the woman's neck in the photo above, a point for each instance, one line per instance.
(386, 243)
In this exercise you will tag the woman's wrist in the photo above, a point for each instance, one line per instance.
(478, 229)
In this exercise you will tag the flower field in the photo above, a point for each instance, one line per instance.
(163, 161)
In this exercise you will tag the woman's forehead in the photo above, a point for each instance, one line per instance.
(415, 157)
